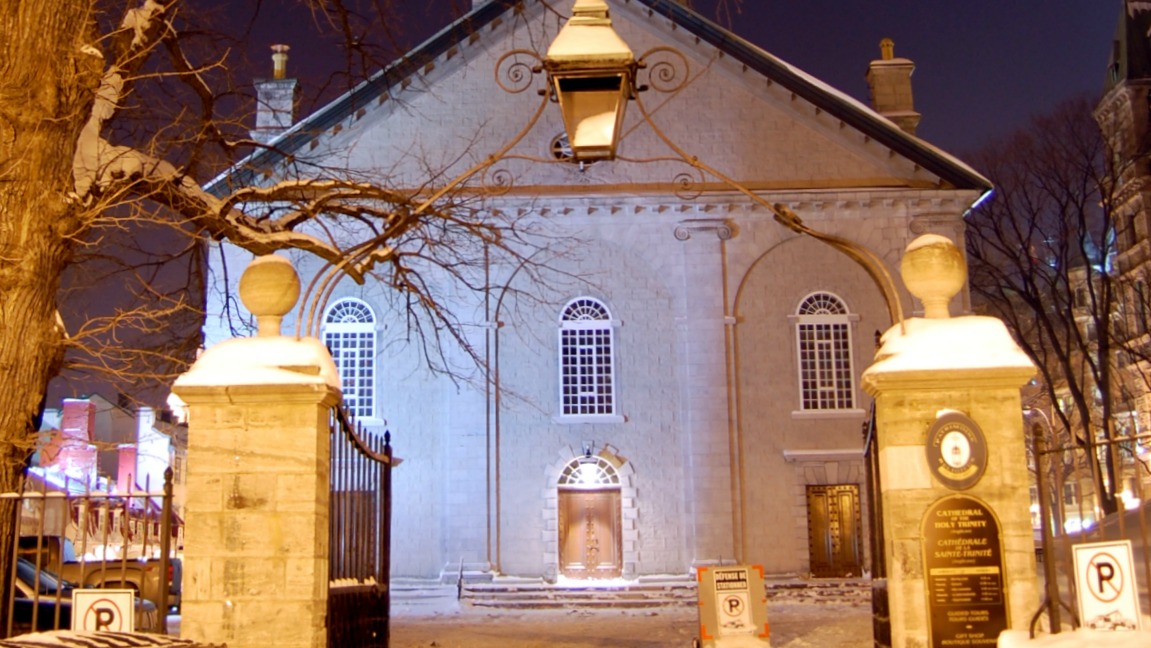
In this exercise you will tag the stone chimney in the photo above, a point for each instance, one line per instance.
(275, 99)
(78, 419)
(889, 80)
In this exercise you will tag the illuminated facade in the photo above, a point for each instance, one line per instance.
(676, 381)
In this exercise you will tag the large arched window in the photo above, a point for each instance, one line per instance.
(823, 335)
(350, 335)
(586, 359)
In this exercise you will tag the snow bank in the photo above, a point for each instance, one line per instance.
(1078, 639)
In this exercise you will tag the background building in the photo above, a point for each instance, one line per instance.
(1122, 115)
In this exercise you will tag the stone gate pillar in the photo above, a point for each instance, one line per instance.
(953, 465)
(256, 534)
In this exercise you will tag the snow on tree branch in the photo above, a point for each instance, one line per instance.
(140, 31)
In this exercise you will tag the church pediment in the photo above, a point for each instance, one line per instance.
(711, 98)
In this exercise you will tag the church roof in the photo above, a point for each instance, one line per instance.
(470, 27)
(1131, 50)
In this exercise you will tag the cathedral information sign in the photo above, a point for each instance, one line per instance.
(963, 562)
(732, 607)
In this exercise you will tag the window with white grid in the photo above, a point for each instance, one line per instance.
(350, 335)
(823, 332)
(587, 359)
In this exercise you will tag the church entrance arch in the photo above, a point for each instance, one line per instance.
(590, 530)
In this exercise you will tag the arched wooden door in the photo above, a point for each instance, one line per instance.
(590, 541)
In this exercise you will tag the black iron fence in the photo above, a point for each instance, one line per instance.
(1089, 491)
(359, 535)
(70, 536)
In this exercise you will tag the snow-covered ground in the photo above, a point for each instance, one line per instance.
(1077, 639)
(793, 625)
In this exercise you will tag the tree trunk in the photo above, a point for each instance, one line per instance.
(46, 85)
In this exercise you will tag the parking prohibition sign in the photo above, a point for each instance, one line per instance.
(1106, 582)
(97, 610)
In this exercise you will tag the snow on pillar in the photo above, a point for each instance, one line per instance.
(953, 465)
(256, 546)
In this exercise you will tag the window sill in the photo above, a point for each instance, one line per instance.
(829, 414)
(590, 418)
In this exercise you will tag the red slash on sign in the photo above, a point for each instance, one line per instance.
(1104, 577)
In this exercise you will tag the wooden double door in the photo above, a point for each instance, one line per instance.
(834, 531)
(590, 542)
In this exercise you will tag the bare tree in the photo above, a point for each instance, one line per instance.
(113, 114)
(1041, 253)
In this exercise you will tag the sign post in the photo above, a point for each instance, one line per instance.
(1108, 597)
(102, 610)
(733, 607)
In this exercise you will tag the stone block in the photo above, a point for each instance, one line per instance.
(204, 491)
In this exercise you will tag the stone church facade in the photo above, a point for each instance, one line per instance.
(678, 384)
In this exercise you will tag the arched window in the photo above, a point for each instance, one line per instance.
(587, 359)
(350, 335)
(823, 335)
(589, 472)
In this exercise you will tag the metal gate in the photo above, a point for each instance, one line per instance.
(71, 533)
(359, 536)
(1094, 490)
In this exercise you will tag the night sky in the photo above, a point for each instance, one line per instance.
(983, 67)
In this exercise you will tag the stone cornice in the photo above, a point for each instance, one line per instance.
(946, 380)
(305, 393)
(620, 201)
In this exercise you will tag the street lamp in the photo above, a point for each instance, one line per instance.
(591, 74)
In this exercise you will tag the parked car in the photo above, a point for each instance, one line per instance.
(42, 601)
(58, 555)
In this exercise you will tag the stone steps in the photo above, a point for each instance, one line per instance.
(534, 593)
(522, 593)
(415, 595)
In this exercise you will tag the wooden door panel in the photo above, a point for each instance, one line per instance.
(835, 544)
(589, 534)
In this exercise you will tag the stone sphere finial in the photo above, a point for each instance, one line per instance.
(934, 270)
(269, 289)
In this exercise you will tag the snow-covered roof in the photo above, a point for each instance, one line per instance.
(471, 26)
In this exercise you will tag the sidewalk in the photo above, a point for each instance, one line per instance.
(447, 624)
